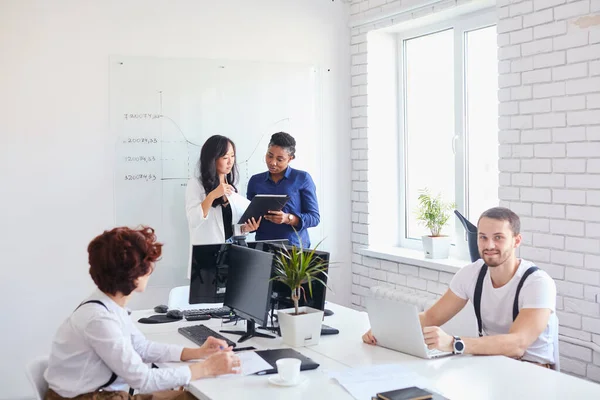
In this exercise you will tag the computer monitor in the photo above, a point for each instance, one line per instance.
(209, 271)
(268, 245)
(248, 291)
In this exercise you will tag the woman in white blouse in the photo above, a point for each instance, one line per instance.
(98, 352)
(212, 202)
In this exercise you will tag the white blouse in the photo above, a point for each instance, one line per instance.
(95, 342)
(209, 229)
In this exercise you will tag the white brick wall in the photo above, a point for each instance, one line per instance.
(565, 166)
(549, 136)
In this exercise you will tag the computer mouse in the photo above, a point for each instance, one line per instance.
(175, 314)
(161, 309)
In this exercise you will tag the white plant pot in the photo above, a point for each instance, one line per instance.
(300, 330)
(436, 247)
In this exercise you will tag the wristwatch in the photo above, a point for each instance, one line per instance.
(290, 218)
(458, 346)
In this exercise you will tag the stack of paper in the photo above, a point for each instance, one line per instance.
(251, 363)
(363, 382)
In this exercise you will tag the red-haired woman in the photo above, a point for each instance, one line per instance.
(99, 353)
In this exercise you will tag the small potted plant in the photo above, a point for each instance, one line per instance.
(434, 214)
(300, 326)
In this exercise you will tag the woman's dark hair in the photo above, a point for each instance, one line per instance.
(214, 148)
(119, 256)
(285, 141)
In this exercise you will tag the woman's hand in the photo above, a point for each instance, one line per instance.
(213, 345)
(224, 189)
(251, 225)
(224, 362)
(277, 217)
(368, 338)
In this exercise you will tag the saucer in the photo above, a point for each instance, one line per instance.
(276, 380)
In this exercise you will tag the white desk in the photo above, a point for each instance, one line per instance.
(458, 377)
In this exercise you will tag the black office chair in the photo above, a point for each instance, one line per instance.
(471, 236)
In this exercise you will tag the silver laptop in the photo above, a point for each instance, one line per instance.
(396, 326)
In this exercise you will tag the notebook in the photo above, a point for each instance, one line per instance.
(410, 393)
(271, 356)
(393, 393)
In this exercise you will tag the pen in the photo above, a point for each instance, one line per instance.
(236, 349)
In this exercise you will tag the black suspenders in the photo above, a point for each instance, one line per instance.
(113, 377)
(479, 289)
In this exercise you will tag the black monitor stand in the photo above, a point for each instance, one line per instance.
(239, 240)
(250, 332)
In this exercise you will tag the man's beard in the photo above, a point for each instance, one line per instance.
(499, 258)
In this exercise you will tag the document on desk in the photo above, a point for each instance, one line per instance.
(251, 364)
(364, 382)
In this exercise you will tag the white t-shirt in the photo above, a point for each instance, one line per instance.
(538, 291)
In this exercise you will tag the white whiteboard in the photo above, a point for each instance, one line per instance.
(162, 111)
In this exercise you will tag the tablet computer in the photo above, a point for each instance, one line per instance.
(261, 204)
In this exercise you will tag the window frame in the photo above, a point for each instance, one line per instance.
(461, 26)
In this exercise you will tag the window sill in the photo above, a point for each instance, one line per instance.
(414, 257)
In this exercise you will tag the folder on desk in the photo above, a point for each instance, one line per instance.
(261, 204)
(409, 393)
(271, 356)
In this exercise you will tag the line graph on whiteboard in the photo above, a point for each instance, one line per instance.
(177, 152)
(162, 112)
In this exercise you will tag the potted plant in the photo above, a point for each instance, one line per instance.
(434, 214)
(295, 267)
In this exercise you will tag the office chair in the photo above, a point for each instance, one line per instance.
(35, 373)
(556, 366)
(471, 236)
(179, 298)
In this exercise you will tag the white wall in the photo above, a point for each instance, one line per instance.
(549, 65)
(56, 150)
(549, 93)
(373, 24)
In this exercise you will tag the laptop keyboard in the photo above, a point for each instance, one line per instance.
(436, 353)
(199, 333)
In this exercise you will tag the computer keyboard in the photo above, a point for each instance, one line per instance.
(199, 333)
(325, 330)
(213, 312)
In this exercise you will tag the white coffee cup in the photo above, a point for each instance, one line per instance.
(288, 369)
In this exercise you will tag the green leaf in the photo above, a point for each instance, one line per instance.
(432, 212)
(297, 266)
